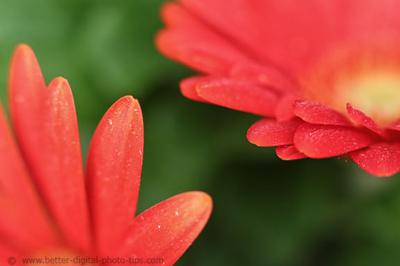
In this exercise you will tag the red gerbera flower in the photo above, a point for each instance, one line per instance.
(51, 208)
(328, 73)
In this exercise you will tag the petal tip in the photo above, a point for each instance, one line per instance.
(127, 102)
(188, 88)
(200, 199)
(128, 99)
(23, 53)
(23, 48)
(59, 82)
(196, 203)
(252, 135)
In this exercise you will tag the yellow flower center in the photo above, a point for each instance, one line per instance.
(367, 78)
(376, 94)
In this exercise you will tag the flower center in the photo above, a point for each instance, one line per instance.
(376, 94)
(368, 79)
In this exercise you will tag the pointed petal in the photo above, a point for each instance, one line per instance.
(289, 152)
(27, 91)
(19, 201)
(47, 132)
(188, 87)
(167, 229)
(238, 95)
(114, 170)
(321, 141)
(268, 132)
(381, 159)
(66, 179)
(316, 113)
(358, 117)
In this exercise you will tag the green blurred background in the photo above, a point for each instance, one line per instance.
(267, 212)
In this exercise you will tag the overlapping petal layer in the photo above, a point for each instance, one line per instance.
(274, 32)
(334, 66)
(51, 207)
(45, 124)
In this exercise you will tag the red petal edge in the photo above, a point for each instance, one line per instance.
(47, 132)
(322, 141)
(238, 95)
(167, 229)
(269, 133)
(316, 113)
(289, 153)
(114, 170)
(381, 159)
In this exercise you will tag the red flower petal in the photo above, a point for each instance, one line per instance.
(167, 229)
(360, 118)
(27, 91)
(7, 254)
(189, 41)
(264, 30)
(266, 76)
(238, 95)
(188, 87)
(19, 202)
(174, 15)
(268, 132)
(231, 93)
(395, 126)
(47, 131)
(289, 152)
(381, 159)
(114, 170)
(321, 141)
(285, 108)
(316, 113)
